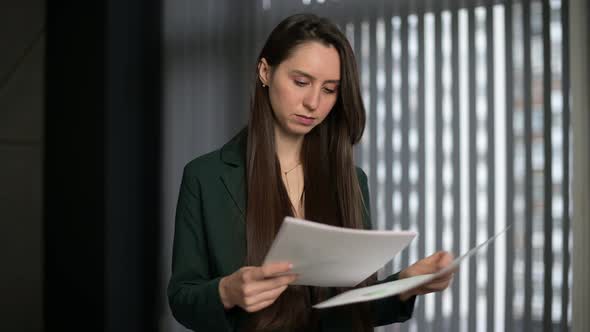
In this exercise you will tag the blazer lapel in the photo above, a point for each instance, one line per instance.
(234, 179)
(234, 182)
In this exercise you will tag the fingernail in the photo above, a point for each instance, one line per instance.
(290, 266)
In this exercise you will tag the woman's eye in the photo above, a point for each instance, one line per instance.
(329, 91)
(300, 83)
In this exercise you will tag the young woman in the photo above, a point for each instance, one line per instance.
(295, 158)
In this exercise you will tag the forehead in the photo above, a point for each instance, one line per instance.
(319, 60)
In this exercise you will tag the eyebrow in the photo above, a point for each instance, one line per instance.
(302, 73)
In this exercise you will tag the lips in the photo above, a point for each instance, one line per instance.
(304, 120)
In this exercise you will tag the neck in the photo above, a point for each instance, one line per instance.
(288, 148)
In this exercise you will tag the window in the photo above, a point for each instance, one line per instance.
(468, 131)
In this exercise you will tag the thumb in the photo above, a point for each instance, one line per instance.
(445, 259)
(436, 258)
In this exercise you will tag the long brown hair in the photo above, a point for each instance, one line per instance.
(331, 188)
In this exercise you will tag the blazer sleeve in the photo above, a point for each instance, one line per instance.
(193, 293)
(390, 309)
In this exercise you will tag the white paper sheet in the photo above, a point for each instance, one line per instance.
(392, 288)
(329, 256)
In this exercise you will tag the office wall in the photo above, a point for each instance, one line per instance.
(22, 48)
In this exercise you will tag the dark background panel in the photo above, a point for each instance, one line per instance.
(21, 148)
(102, 165)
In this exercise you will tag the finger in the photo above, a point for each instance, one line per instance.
(265, 296)
(259, 306)
(445, 276)
(438, 286)
(256, 287)
(244, 273)
(450, 270)
(269, 270)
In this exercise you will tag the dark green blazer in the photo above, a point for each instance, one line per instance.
(210, 243)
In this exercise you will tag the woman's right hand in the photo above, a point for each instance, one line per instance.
(254, 288)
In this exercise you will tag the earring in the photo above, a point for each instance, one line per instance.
(263, 85)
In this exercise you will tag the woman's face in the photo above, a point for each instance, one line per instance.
(303, 88)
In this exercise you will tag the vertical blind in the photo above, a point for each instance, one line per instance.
(467, 131)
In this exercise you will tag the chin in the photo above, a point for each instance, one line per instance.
(297, 129)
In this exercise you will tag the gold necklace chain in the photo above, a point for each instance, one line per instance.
(289, 171)
(287, 179)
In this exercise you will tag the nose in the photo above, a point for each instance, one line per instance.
(312, 99)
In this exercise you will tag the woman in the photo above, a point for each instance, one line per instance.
(295, 158)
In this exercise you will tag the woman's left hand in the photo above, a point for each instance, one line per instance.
(430, 264)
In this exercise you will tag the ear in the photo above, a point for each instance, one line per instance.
(264, 71)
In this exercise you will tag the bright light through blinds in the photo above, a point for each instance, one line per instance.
(500, 162)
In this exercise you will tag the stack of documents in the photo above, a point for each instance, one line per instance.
(328, 256)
